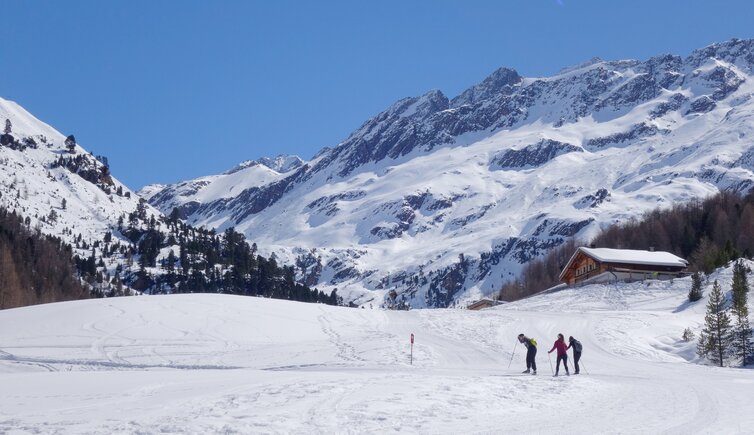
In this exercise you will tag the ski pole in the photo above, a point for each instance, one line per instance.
(582, 365)
(550, 359)
(514, 352)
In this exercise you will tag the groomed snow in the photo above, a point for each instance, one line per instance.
(218, 363)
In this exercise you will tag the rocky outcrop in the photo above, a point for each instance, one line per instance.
(532, 156)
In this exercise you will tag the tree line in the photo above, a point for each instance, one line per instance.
(708, 233)
(37, 268)
(34, 268)
(198, 260)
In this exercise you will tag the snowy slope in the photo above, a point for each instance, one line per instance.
(189, 195)
(445, 199)
(218, 363)
(56, 200)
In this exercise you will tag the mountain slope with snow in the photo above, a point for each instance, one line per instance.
(120, 243)
(220, 363)
(187, 196)
(445, 199)
(65, 192)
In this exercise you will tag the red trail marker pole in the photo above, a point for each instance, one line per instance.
(412, 349)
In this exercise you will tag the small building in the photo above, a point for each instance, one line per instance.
(483, 303)
(594, 265)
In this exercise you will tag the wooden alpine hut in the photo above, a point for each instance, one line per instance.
(593, 265)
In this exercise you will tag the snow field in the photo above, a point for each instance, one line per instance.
(227, 364)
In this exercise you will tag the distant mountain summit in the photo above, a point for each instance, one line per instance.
(282, 163)
(189, 195)
(442, 199)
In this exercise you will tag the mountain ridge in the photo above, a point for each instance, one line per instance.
(443, 199)
(634, 131)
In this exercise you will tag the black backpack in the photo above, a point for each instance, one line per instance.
(576, 345)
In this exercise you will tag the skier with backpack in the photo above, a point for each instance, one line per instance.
(576, 345)
(560, 345)
(531, 353)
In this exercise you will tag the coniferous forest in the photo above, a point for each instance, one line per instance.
(34, 268)
(708, 233)
(214, 263)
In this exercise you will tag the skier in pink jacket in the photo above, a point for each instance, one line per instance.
(562, 348)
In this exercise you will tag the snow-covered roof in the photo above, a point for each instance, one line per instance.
(629, 256)
(634, 256)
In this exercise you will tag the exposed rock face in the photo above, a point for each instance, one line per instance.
(636, 131)
(500, 82)
(534, 155)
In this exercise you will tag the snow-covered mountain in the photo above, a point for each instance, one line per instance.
(187, 196)
(120, 243)
(445, 198)
(62, 190)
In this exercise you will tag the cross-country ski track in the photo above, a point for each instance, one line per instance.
(231, 364)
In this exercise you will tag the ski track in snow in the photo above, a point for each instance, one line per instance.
(225, 364)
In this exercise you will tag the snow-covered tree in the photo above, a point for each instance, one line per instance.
(8, 126)
(716, 337)
(740, 282)
(742, 340)
(696, 287)
(688, 335)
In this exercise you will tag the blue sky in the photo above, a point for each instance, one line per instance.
(171, 90)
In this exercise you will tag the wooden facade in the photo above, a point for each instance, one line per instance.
(482, 304)
(584, 266)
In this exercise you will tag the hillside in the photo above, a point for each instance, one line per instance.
(118, 242)
(708, 233)
(220, 363)
(444, 199)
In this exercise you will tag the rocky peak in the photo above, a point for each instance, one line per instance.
(593, 61)
(417, 107)
(736, 51)
(499, 82)
(282, 163)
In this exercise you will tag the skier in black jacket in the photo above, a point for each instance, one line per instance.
(531, 353)
(576, 345)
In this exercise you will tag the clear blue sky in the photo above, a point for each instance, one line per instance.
(171, 90)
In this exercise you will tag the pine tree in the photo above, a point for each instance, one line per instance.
(716, 339)
(8, 126)
(688, 335)
(740, 282)
(742, 340)
(696, 287)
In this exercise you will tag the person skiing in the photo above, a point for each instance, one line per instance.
(560, 345)
(576, 345)
(531, 353)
